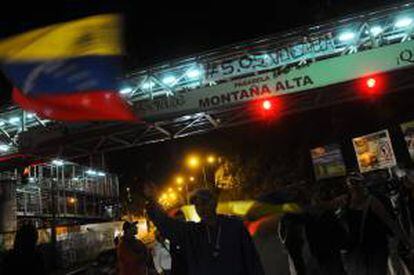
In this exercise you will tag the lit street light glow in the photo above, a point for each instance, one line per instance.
(4, 148)
(91, 172)
(173, 196)
(211, 159)
(164, 196)
(376, 30)
(346, 36)
(168, 80)
(148, 85)
(57, 162)
(179, 180)
(194, 73)
(403, 22)
(192, 179)
(193, 161)
(14, 120)
(126, 90)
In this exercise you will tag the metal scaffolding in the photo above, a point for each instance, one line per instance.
(65, 191)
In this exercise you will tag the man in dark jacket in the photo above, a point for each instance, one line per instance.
(178, 257)
(216, 245)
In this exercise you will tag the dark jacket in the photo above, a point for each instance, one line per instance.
(16, 262)
(237, 254)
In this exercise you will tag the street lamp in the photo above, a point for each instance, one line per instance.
(163, 199)
(211, 159)
(193, 161)
(179, 180)
(172, 196)
(164, 196)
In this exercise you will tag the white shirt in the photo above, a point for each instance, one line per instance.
(161, 256)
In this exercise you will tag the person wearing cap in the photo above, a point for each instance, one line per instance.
(133, 256)
(217, 245)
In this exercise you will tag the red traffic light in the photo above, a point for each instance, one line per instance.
(372, 86)
(267, 105)
(267, 108)
(371, 82)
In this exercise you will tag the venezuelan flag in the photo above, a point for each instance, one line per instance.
(68, 71)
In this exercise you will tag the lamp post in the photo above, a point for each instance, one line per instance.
(195, 161)
(179, 180)
(129, 201)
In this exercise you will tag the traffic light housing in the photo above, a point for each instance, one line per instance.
(372, 85)
(267, 108)
(267, 105)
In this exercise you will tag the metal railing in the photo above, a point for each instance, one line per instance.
(78, 191)
(295, 48)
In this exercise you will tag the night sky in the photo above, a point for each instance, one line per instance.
(156, 31)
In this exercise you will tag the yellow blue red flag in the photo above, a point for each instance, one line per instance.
(68, 71)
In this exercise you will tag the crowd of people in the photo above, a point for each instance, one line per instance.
(367, 229)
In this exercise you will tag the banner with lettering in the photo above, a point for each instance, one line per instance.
(279, 82)
(374, 151)
(309, 49)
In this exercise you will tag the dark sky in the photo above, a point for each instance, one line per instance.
(161, 30)
(158, 31)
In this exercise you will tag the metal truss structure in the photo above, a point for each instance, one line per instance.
(357, 33)
(100, 140)
(64, 191)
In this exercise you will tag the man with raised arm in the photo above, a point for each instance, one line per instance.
(217, 245)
